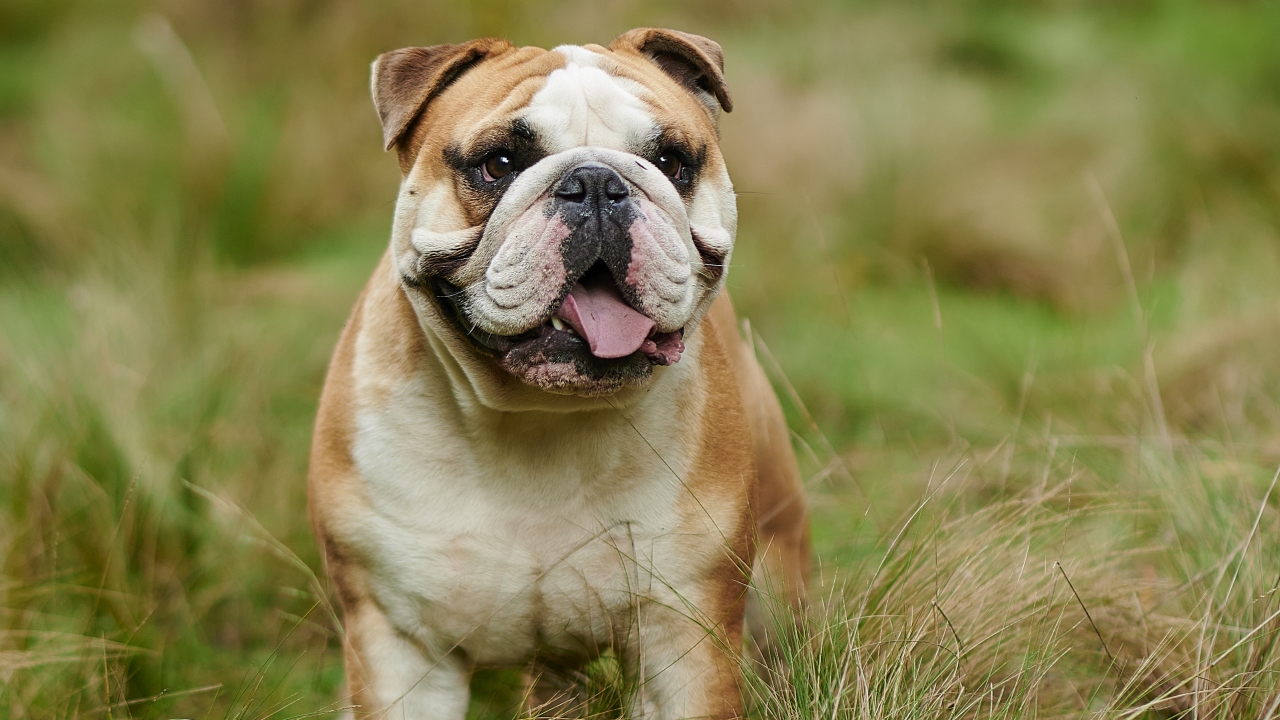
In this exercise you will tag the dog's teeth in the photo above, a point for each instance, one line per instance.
(555, 323)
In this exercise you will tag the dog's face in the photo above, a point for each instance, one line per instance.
(565, 217)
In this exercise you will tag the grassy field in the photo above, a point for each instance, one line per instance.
(1014, 268)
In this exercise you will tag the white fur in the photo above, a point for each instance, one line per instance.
(583, 106)
(713, 216)
(505, 534)
(434, 233)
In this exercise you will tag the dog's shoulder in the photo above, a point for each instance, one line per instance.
(381, 344)
(779, 488)
(727, 451)
(739, 369)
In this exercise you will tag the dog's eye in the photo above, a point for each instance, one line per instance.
(670, 165)
(497, 166)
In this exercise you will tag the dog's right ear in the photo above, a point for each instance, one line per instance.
(405, 80)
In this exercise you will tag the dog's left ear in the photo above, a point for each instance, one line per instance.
(695, 62)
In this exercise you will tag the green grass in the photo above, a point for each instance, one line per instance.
(1019, 452)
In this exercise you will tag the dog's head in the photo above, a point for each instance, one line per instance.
(565, 218)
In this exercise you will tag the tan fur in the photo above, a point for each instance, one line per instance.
(468, 520)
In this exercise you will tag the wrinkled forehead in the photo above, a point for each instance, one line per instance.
(571, 96)
(584, 104)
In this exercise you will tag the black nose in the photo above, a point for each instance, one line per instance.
(594, 187)
(594, 203)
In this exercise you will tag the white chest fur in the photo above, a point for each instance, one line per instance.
(506, 534)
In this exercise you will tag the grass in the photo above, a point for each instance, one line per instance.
(1041, 446)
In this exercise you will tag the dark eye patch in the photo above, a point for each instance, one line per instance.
(518, 146)
(676, 156)
(515, 139)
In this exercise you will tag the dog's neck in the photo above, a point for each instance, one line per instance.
(485, 395)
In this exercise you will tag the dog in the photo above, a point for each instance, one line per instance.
(542, 436)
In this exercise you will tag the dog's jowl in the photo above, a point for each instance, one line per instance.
(543, 436)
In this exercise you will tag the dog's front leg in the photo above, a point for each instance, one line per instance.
(390, 676)
(685, 668)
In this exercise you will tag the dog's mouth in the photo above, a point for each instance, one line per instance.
(592, 343)
(595, 311)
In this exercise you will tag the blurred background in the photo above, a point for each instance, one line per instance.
(1037, 237)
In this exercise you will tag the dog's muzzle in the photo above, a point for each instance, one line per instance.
(595, 203)
(589, 282)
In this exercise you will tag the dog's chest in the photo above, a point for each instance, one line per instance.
(542, 544)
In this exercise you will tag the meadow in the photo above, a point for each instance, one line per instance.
(1013, 267)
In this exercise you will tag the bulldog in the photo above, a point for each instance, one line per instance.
(542, 436)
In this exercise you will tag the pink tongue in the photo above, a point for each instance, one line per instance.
(598, 313)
